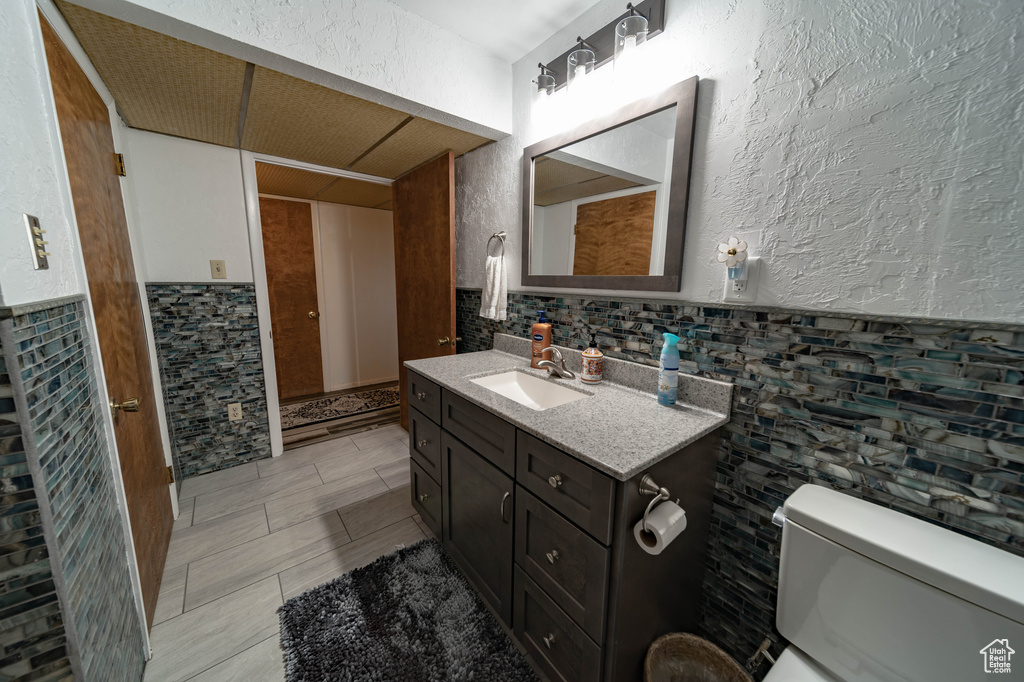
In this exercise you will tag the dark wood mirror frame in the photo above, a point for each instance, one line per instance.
(683, 96)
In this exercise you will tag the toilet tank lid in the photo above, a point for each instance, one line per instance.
(983, 575)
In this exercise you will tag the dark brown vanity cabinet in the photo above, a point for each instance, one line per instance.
(547, 540)
(479, 508)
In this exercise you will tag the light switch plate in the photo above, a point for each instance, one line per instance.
(37, 243)
(218, 270)
(234, 412)
(749, 293)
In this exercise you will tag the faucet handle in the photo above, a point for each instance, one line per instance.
(557, 353)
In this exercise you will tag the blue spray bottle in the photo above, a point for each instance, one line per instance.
(668, 374)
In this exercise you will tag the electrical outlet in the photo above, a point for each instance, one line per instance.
(234, 412)
(218, 270)
(743, 291)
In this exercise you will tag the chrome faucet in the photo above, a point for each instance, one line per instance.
(554, 369)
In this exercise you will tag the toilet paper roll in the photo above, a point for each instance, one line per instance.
(665, 522)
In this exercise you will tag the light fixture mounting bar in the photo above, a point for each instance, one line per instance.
(603, 41)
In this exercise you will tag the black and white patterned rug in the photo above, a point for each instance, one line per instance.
(407, 616)
(327, 409)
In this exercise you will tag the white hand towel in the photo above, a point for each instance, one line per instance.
(494, 303)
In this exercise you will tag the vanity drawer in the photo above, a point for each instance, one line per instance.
(579, 492)
(568, 564)
(491, 437)
(425, 396)
(425, 443)
(426, 497)
(561, 649)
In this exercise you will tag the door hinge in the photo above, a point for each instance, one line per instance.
(119, 165)
(170, 474)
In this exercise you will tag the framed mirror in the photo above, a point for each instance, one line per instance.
(604, 204)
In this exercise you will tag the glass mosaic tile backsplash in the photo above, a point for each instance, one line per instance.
(926, 417)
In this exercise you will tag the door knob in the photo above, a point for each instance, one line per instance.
(313, 314)
(130, 405)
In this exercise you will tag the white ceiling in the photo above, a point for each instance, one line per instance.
(507, 28)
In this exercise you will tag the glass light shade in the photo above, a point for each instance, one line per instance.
(581, 62)
(545, 84)
(630, 33)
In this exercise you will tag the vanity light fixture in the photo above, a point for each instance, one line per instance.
(612, 42)
(545, 81)
(580, 62)
(630, 33)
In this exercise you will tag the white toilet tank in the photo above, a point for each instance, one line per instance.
(874, 595)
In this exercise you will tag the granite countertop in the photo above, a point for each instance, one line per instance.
(619, 429)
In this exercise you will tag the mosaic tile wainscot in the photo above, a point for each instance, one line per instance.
(922, 416)
(208, 349)
(82, 568)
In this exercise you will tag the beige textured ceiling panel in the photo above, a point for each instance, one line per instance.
(161, 83)
(601, 185)
(550, 174)
(287, 181)
(416, 143)
(356, 193)
(300, 120)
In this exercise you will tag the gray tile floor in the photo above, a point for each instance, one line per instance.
(252, 536)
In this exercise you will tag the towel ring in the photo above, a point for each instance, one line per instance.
(500, 236)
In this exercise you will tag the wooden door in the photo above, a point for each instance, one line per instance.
(424, 216)
(89, 151)
(291, 279)
(478, 507)
(613, 236)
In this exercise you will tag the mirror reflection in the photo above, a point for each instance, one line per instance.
(601, 204)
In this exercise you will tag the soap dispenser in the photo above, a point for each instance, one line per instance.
(593, 363)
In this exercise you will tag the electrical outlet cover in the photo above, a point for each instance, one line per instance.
(218, 270)
(234, 411)
(749, 292)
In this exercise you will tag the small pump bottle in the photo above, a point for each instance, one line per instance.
(668, 373)
(593, 363)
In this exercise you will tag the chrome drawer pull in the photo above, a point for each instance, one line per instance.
(423, 497)
(421, 443)
(421, 395)
(503, 498)
(552, 556)
(555, 480)
(549, 640)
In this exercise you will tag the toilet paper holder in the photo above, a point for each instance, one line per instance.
(648, 487)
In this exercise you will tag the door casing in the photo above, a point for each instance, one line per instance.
(259, 272)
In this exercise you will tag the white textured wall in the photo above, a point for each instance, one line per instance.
(32, 175)
(357, 254)
(369, 48)
(188, 207)
(870, 152)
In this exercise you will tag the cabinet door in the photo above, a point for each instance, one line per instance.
(478, 511)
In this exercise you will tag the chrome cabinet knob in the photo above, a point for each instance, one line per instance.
(421, 395)
(549, 640)
(423, 497)
(552, 556)
(421, 443)
(555, 480)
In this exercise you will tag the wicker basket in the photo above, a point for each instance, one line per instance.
(681, 657)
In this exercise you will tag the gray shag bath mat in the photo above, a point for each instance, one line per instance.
(407, 616)
(321, 410)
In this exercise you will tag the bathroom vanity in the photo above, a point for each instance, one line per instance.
(538, 506)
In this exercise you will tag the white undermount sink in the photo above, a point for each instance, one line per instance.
(529, 390)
